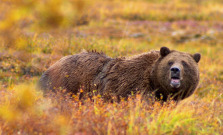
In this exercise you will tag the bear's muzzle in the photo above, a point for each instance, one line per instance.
(175, 77)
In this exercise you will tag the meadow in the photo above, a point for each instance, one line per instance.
(35, 34)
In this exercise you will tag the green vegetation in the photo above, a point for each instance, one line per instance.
(35, 34)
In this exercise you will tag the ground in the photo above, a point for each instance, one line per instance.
(35, 34)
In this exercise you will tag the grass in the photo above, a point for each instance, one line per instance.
(35, 34)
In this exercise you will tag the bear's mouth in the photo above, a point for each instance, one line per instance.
(175, 82)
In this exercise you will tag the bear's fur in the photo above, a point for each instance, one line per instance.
(146, 73)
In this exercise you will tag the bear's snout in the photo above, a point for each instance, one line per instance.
(175, 77)
(175, 72)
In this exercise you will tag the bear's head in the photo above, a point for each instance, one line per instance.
(175, 74)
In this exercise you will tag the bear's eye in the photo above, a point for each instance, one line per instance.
(184, 63)
(170, 63)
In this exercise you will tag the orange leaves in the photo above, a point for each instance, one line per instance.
(36, 33)
(38, 15)
(62, 114)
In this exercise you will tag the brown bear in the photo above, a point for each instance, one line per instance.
(165, 74)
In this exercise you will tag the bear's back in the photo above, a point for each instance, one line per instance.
(72, 71)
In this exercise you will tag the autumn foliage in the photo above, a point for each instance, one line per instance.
(34, 34)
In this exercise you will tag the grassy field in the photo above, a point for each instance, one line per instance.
(35, 34)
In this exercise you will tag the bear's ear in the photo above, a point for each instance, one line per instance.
(164, 51)
(197, 57)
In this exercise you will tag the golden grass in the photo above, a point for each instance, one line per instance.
(34, 34)
(23, 110)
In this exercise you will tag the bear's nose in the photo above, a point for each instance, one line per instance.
(175, 69)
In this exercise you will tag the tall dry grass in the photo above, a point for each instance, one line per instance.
(35, 34)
